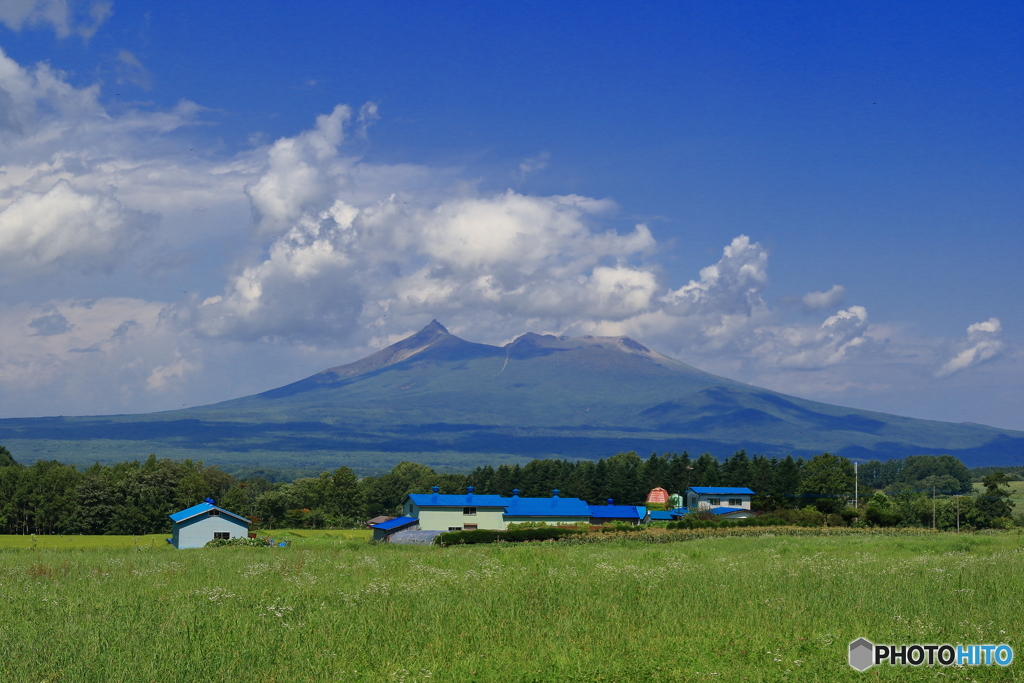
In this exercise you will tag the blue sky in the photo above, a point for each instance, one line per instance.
(823, 200)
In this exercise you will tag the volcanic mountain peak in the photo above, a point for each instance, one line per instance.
(430, 336)
(434, 395)
(435, 342)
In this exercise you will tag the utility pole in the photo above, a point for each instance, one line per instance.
(958, 513)
(685, 503)
(856, 490)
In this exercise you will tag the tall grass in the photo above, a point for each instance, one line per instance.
(754, 608)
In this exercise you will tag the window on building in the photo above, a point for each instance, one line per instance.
(735, 502)
(714, 501)
(225, 535)
(215, 513)
(469, 527)
(455, 528)
(469, 511)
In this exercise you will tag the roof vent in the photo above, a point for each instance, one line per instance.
(515, 493)
(210, 501)
(435, 489)
(611, 501)
(554, 494)
(469, 490)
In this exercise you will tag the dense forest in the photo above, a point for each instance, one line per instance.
(135, 497)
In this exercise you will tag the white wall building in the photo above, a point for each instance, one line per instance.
(735, 497)
(196, 526)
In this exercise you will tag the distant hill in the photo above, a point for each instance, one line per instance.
(448, 402)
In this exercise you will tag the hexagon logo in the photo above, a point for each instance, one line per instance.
(862, 653)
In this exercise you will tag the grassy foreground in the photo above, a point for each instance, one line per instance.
(755, 608)
(302, 537)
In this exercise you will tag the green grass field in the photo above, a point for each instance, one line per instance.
(302, 537)
(754, 608)
(1018, 493)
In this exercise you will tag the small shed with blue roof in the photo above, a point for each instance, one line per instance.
(383, 531)
(196, 526)
(666, 515)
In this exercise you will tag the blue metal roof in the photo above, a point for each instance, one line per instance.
(426, 500)
(725, 511)
(395, 523)
(189, 513)
(661, 516)
(546, 507)
(721, 490)
(618, 511)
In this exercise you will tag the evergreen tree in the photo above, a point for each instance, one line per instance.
(787, 480)
(706, 471)
(624, 480)
(763, 483)
(736, 470)
(680, 469)
(585, 484)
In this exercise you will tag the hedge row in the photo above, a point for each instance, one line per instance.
(244, 542)
(511, 535)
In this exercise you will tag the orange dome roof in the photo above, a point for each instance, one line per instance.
(658, 495)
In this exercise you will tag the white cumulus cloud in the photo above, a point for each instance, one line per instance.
(351, 259)
(983, 343)
(66, 227)
(63, 16)
(817, 301)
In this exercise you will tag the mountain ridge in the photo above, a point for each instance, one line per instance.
(449, 402)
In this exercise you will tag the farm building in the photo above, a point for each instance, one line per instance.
(194, 527)
(718, 496)
(378, 520)
(552, 511)
(634, 514)
(446, 512)
(392, 525)
(437, 511)
(723, 512)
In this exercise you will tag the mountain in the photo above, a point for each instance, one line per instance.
(448, 402)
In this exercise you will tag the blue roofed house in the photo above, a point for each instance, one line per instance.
(450, 512)
(194, 527)
(730, 502)
(633, 514)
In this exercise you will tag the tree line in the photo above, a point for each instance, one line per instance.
(135, 497)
